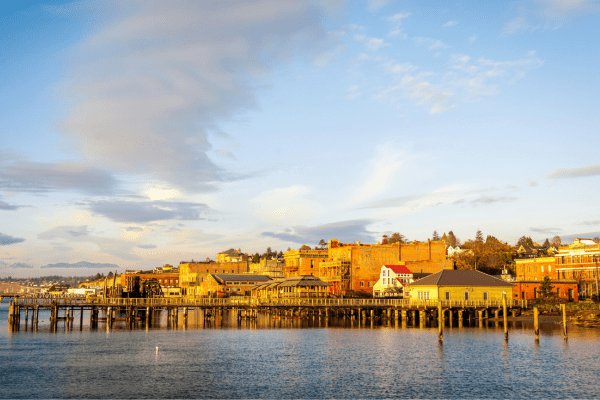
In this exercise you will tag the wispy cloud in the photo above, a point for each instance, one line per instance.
(376, 5)
(450, 24)
(371, 43)
(396, 21)
(548, 14)
(345, 231)
(10, 207)
(432, 44)
(572, 173)
(158, 78)
(546, 231)
(35, 177)
(382, 170)
(148, 211)
(6, 240)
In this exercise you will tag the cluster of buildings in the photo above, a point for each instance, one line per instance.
(396, 270)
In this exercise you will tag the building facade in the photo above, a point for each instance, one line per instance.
(392, 280)
(459, 285)
(357, 267)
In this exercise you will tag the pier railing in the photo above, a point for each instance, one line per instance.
(271, 302)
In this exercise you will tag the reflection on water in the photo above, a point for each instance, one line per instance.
(296, 358)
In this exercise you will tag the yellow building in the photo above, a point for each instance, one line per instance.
(303, 262)
(232, 255)
(459, 285)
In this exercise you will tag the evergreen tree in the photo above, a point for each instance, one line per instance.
(546, 243)
(452, 240)
(479, 236)
(435, 236)
(546, 289)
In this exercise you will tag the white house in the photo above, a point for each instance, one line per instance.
(392, 280)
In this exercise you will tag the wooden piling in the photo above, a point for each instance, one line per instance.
(440, 322)
(505, 315)
(564, 310)
(11, 316)
(536, 324)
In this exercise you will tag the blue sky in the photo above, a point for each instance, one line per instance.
(146, 133)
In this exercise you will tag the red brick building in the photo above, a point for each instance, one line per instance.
(529, 290)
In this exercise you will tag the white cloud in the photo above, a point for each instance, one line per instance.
(467, 80)
(432, 44)
(151, 82)
(450, 24)
(548, 14)
(472, 39)
(375, 5)
(396, 21)
(383, 169)
(371, 43)
(285, 206)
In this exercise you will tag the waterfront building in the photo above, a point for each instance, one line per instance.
(193, 273)
(272, 268)
(232, 255)
(579, 262)
(226, 285)
(303, 262)
(529, 290)
(459, 285)
(392, 280)
(296, 286)
(357, 267)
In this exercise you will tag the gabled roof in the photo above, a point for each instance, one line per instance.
(399, 269)
(240, 277)
(449, 277)
(402, 283)
(293, 281)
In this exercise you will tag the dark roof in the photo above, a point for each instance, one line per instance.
(420, 275)
(449, 277)
(240, 277)
(293, 281)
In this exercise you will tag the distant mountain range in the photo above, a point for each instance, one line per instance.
(80, 264)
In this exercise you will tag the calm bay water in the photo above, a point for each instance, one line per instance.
(296, 359)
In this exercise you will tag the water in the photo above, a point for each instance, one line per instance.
(297, 359)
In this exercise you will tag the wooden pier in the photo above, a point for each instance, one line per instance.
(145, 311)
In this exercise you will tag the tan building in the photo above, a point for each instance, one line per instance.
(303, 262)
(232, 255)
(357, 267)
(193, 273)
(459, 285)
(272, 268)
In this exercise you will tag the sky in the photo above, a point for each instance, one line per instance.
(141, 133)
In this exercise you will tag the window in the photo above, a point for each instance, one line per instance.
(370, 284)
(466, 296)
(542, 268)
(423, 295)
(362, 284)
(549, 268)
(383, 272)
(447, 295)
(485, 296)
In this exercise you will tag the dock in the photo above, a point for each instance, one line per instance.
(134, 311)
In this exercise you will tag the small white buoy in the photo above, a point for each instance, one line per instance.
(156, 349)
